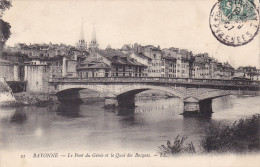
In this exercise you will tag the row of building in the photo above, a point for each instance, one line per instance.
(150, 61)
(129, 61)
(87, 60)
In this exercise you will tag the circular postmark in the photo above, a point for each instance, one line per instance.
(234, 22)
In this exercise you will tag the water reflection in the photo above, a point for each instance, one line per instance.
(91, 127)
(69, 110)
(19, 116)
(125, 112)
(173, 104)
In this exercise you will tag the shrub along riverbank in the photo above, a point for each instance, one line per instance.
(243, 136)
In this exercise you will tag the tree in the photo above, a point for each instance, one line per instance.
(4, 26)
(4, 32)
(5, 4)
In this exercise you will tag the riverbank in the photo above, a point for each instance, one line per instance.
(27, 99)
(6, 95)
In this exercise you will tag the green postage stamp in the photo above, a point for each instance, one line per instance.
(237, 10)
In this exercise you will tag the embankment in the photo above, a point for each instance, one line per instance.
(6, 95)
(25, 98)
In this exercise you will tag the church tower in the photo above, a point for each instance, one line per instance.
(82, 44)
(93, 44)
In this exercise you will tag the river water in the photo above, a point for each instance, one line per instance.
(91, 127)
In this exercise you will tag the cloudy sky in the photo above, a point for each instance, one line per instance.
(177, 23)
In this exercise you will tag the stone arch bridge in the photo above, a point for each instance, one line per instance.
(197, 94)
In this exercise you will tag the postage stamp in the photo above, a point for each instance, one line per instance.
(234, 22)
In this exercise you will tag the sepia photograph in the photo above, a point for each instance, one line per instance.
(129, 83)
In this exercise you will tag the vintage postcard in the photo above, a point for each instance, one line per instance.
(129, 83)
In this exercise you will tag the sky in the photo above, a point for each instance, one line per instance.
(176, 23)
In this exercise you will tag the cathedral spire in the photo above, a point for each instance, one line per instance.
(93, 39)
(82, 31)
(81, 44)
(93, 43)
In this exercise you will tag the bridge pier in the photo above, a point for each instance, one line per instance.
(126, 100)
(205, 106)
(193, 106)
(111, 102)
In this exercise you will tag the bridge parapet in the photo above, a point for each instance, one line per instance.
(186, 81)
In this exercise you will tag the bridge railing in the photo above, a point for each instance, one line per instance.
(159, 80)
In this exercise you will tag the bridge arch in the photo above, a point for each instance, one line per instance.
(125, 95)
(70, 93)
(96, 88)
(135, 89)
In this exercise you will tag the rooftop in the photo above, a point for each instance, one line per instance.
(95, 65)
